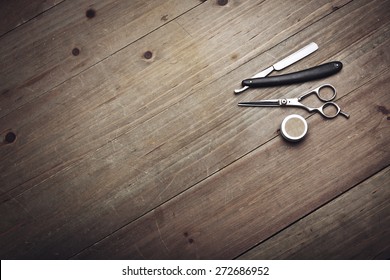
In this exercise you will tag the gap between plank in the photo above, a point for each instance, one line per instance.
(224, 167)
(292, 35)
(157, 113)
(104, 144)
(27, 21)
(311, 212)
(100, 61)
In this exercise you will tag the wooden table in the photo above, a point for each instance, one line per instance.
(121, 137)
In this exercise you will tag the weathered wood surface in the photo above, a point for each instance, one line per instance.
(17, 12)
(264, 191)
(39, 56)
(353, 226)
(119, 155)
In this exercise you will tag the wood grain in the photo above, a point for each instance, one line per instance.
(102, 104)
(95, 103)
(356, 225)
(17, 12)
(99, 147)
(38, 57)
(262, 192)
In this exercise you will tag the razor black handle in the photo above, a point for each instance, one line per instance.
(314, 73)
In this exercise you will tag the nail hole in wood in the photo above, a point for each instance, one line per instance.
(234, 56)
(10, 137)
(383, 110)
(148, 55)
(76, 51)
(90, 13)
(222, 2)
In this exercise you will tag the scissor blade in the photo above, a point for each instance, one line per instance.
(261, 103)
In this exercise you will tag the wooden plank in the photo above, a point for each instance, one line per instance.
(17, 12)
(88, 91)
(359, 126)
(120, 97)
(264, 191)
(355, 225)
(130, 170)
(18, 87)
(41, 55)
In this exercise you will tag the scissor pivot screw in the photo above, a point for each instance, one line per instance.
(283, 102)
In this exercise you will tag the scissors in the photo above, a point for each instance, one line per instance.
(295, 102)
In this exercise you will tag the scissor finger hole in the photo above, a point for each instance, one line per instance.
(330, 110)
(326, 93)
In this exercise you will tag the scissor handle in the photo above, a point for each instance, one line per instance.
(329, 115)
(322, 93)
